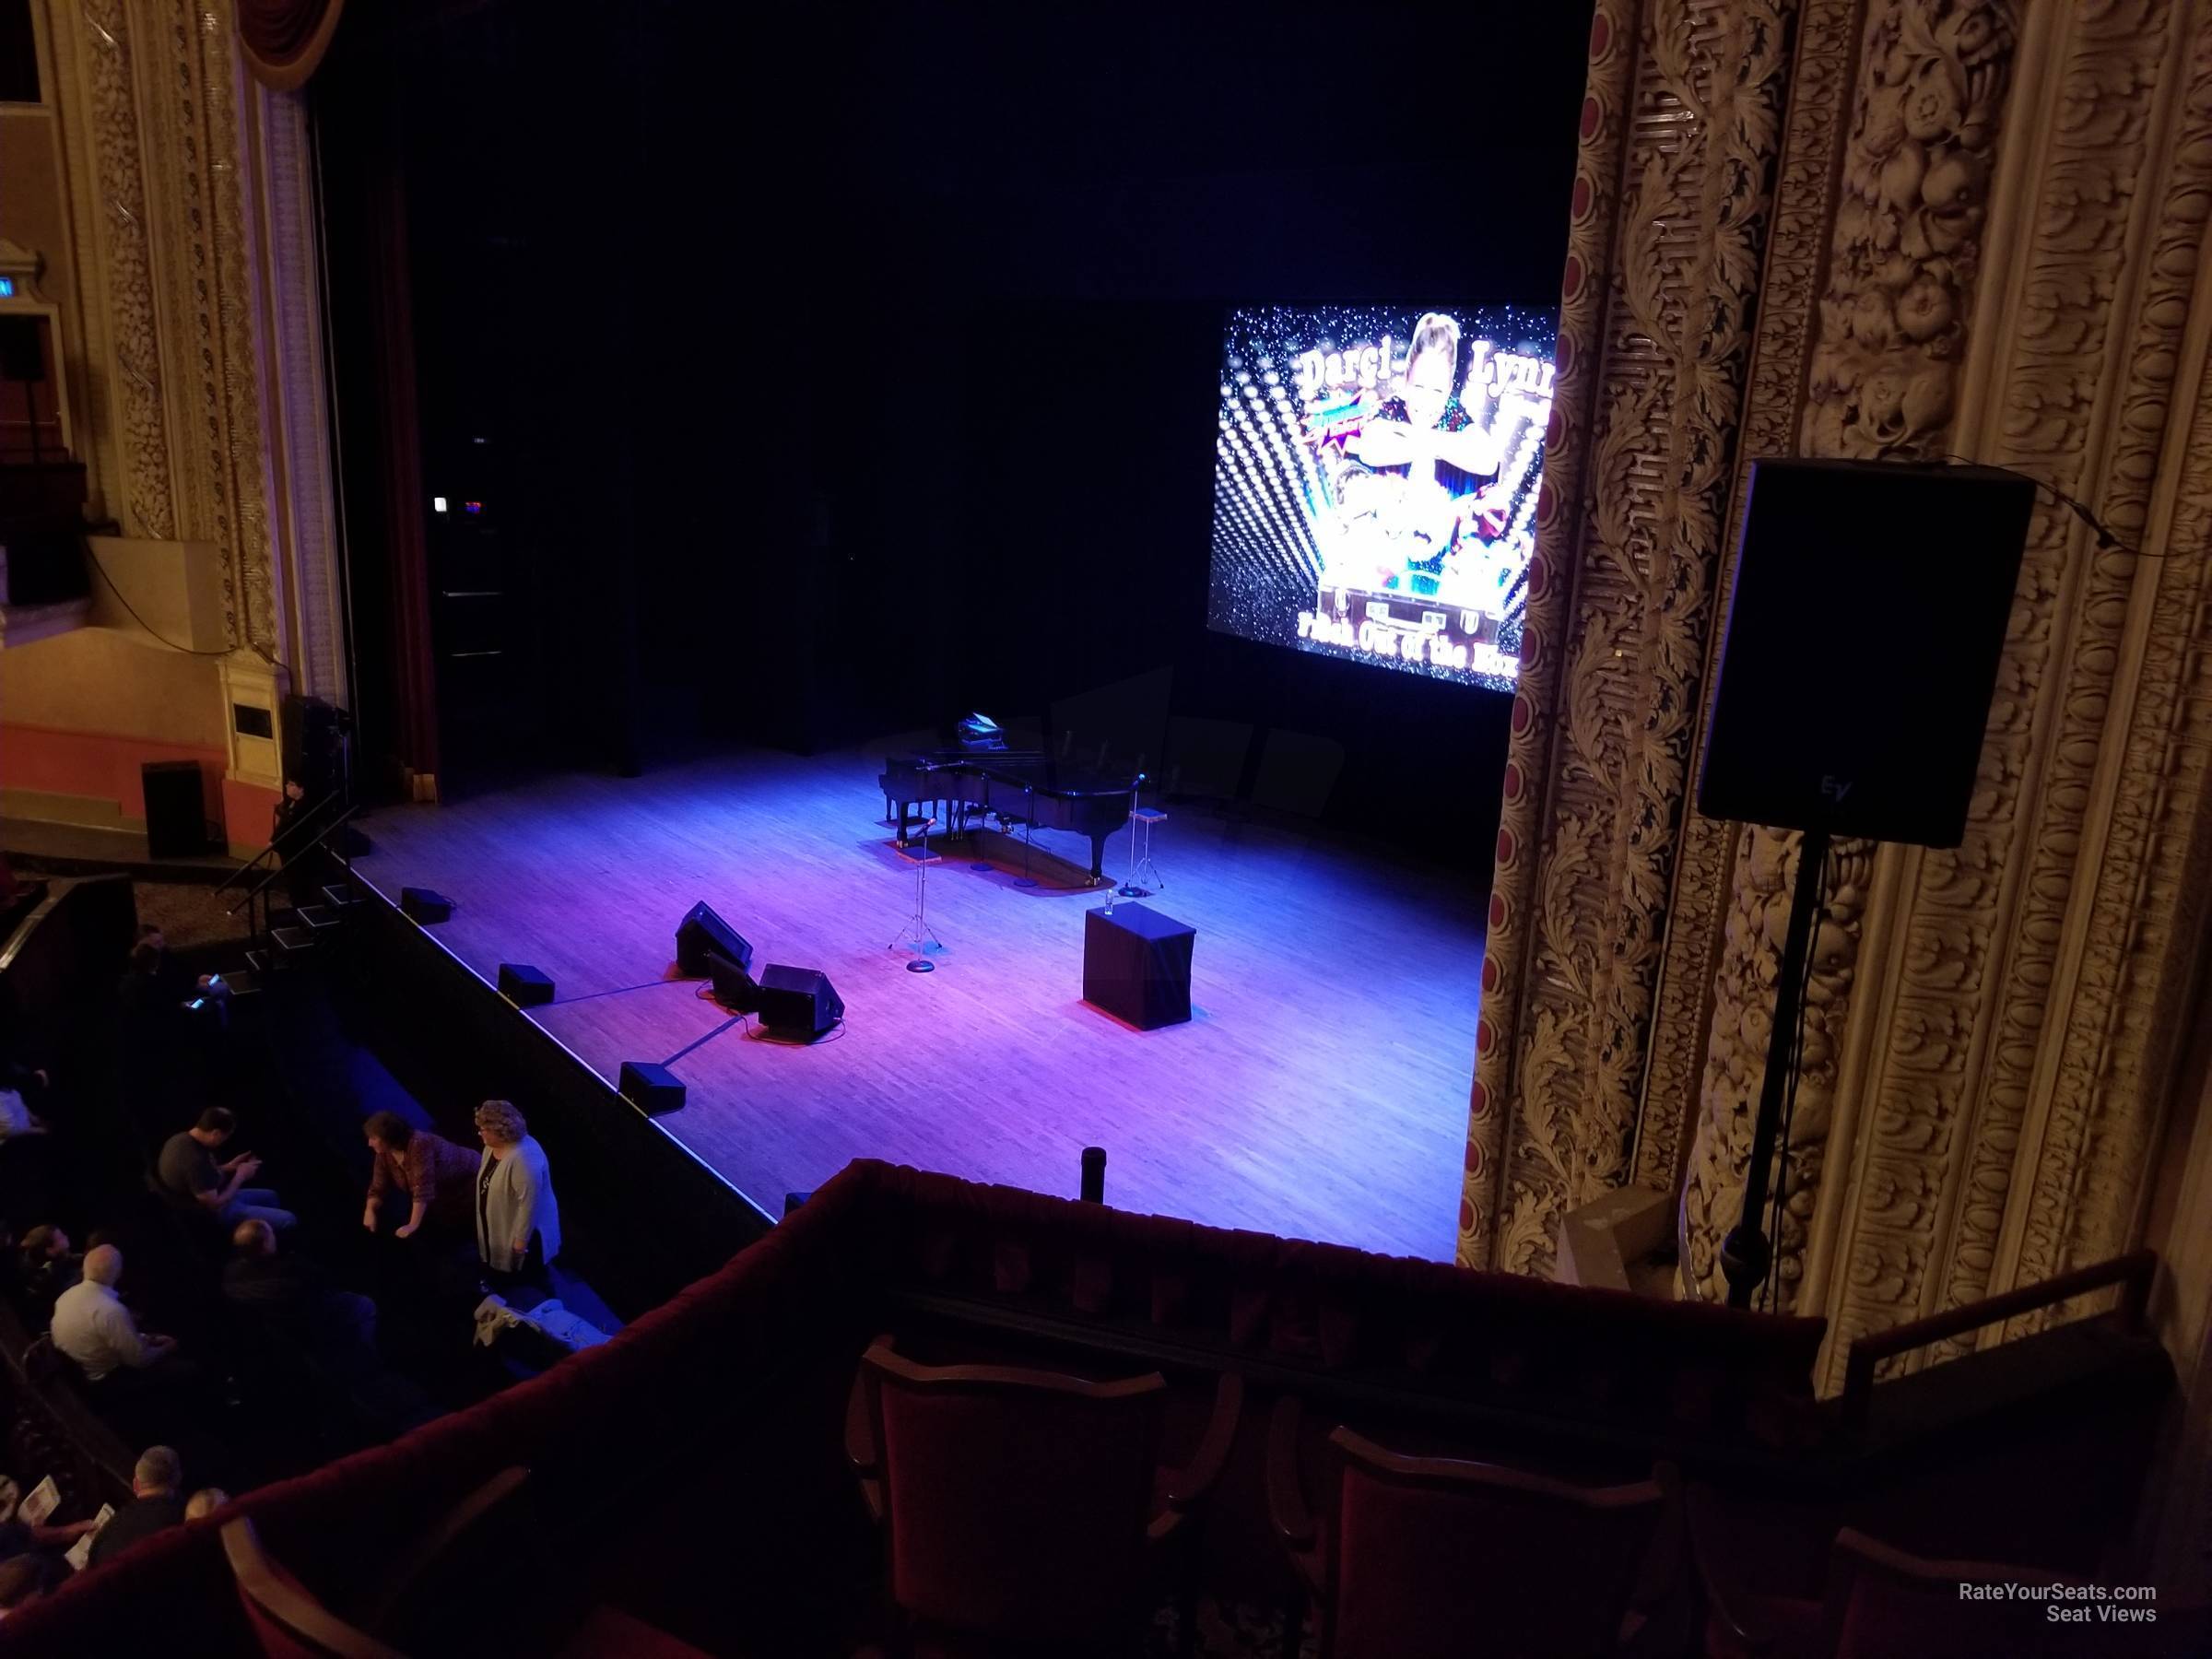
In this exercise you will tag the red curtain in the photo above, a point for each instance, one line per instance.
(413, 662)
(284, 40)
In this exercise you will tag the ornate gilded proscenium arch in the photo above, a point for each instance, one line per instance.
(1882, 228)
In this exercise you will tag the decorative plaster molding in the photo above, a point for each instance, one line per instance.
(1827, 37)
(1601, 791)
(1506, 969)
(134, 345)
(1883, 381)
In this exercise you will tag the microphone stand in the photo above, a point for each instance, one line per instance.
(918, 936)
(1129, 889)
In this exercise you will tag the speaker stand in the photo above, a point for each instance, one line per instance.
(1746, 1252)
(918, 939)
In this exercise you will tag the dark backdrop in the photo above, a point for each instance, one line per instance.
(844, 372)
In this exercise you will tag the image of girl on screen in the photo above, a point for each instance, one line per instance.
(1406, 476)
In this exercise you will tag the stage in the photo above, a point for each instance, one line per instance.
(1320, 1090)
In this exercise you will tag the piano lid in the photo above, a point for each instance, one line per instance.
(1025, 768)
(978, 731)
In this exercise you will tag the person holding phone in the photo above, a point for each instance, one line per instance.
(188, 1171)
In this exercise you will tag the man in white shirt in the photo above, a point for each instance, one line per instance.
(93, 1327)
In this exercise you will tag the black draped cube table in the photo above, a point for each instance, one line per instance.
(1137, 965)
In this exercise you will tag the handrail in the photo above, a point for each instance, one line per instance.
(275, 841)
(2135, 1271)
(260, 887)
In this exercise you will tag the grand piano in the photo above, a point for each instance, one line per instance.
(1017, 785)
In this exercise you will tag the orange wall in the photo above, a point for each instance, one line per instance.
(248, 809)
(102, 766)
(105, 768)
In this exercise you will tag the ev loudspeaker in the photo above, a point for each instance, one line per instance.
(702, 931)
(651, 1088)
(798, 1001)
(523, 985)
(422, 906)
(22, 352)
(734, 987)
(176, 826)
(1869, 609)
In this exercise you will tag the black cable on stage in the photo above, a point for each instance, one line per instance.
(763, 1034)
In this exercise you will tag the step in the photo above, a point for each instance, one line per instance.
(292, 941)
(320, 918)
(340, 898)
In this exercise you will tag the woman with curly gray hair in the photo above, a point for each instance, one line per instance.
(518, 1224)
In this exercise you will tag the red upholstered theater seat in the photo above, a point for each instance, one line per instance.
(1435, 1558)
(1882, 1601)
(1768, 1595)
(290, 1621)
(1018, 1506)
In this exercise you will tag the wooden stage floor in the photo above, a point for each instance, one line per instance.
(1319, 1091)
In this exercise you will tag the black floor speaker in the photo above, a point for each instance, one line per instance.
(523, 985)
(702, 933)
(734, 987)
(176, 823)
(649, 1087)
(798, 1001)
(425, 906)
(1869, 613)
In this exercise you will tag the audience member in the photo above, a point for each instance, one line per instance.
(26, 1577)
(292, 1295)
(157, 988)
(27, 1162)
(157, 1504)
(48, 1267)
(20, 1537)
(93, 1328)
(437, 1175)
(518, 1224)
(205, 1502)
(292, 832)
(29, 1081)
(17, 1118)
(188, 1170)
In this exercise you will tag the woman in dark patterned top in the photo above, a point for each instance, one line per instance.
(435, 1174)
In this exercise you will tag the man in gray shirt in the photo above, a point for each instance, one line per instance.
(187, 1169)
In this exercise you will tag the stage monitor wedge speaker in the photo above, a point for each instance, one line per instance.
(1867, 615)
(176, 822)
(702, 931)
(424, 906)
(798, 1001)
(652, 1088)
(523, 985)
(734, 987)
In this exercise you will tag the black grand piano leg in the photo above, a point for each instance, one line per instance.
(1098, 859)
